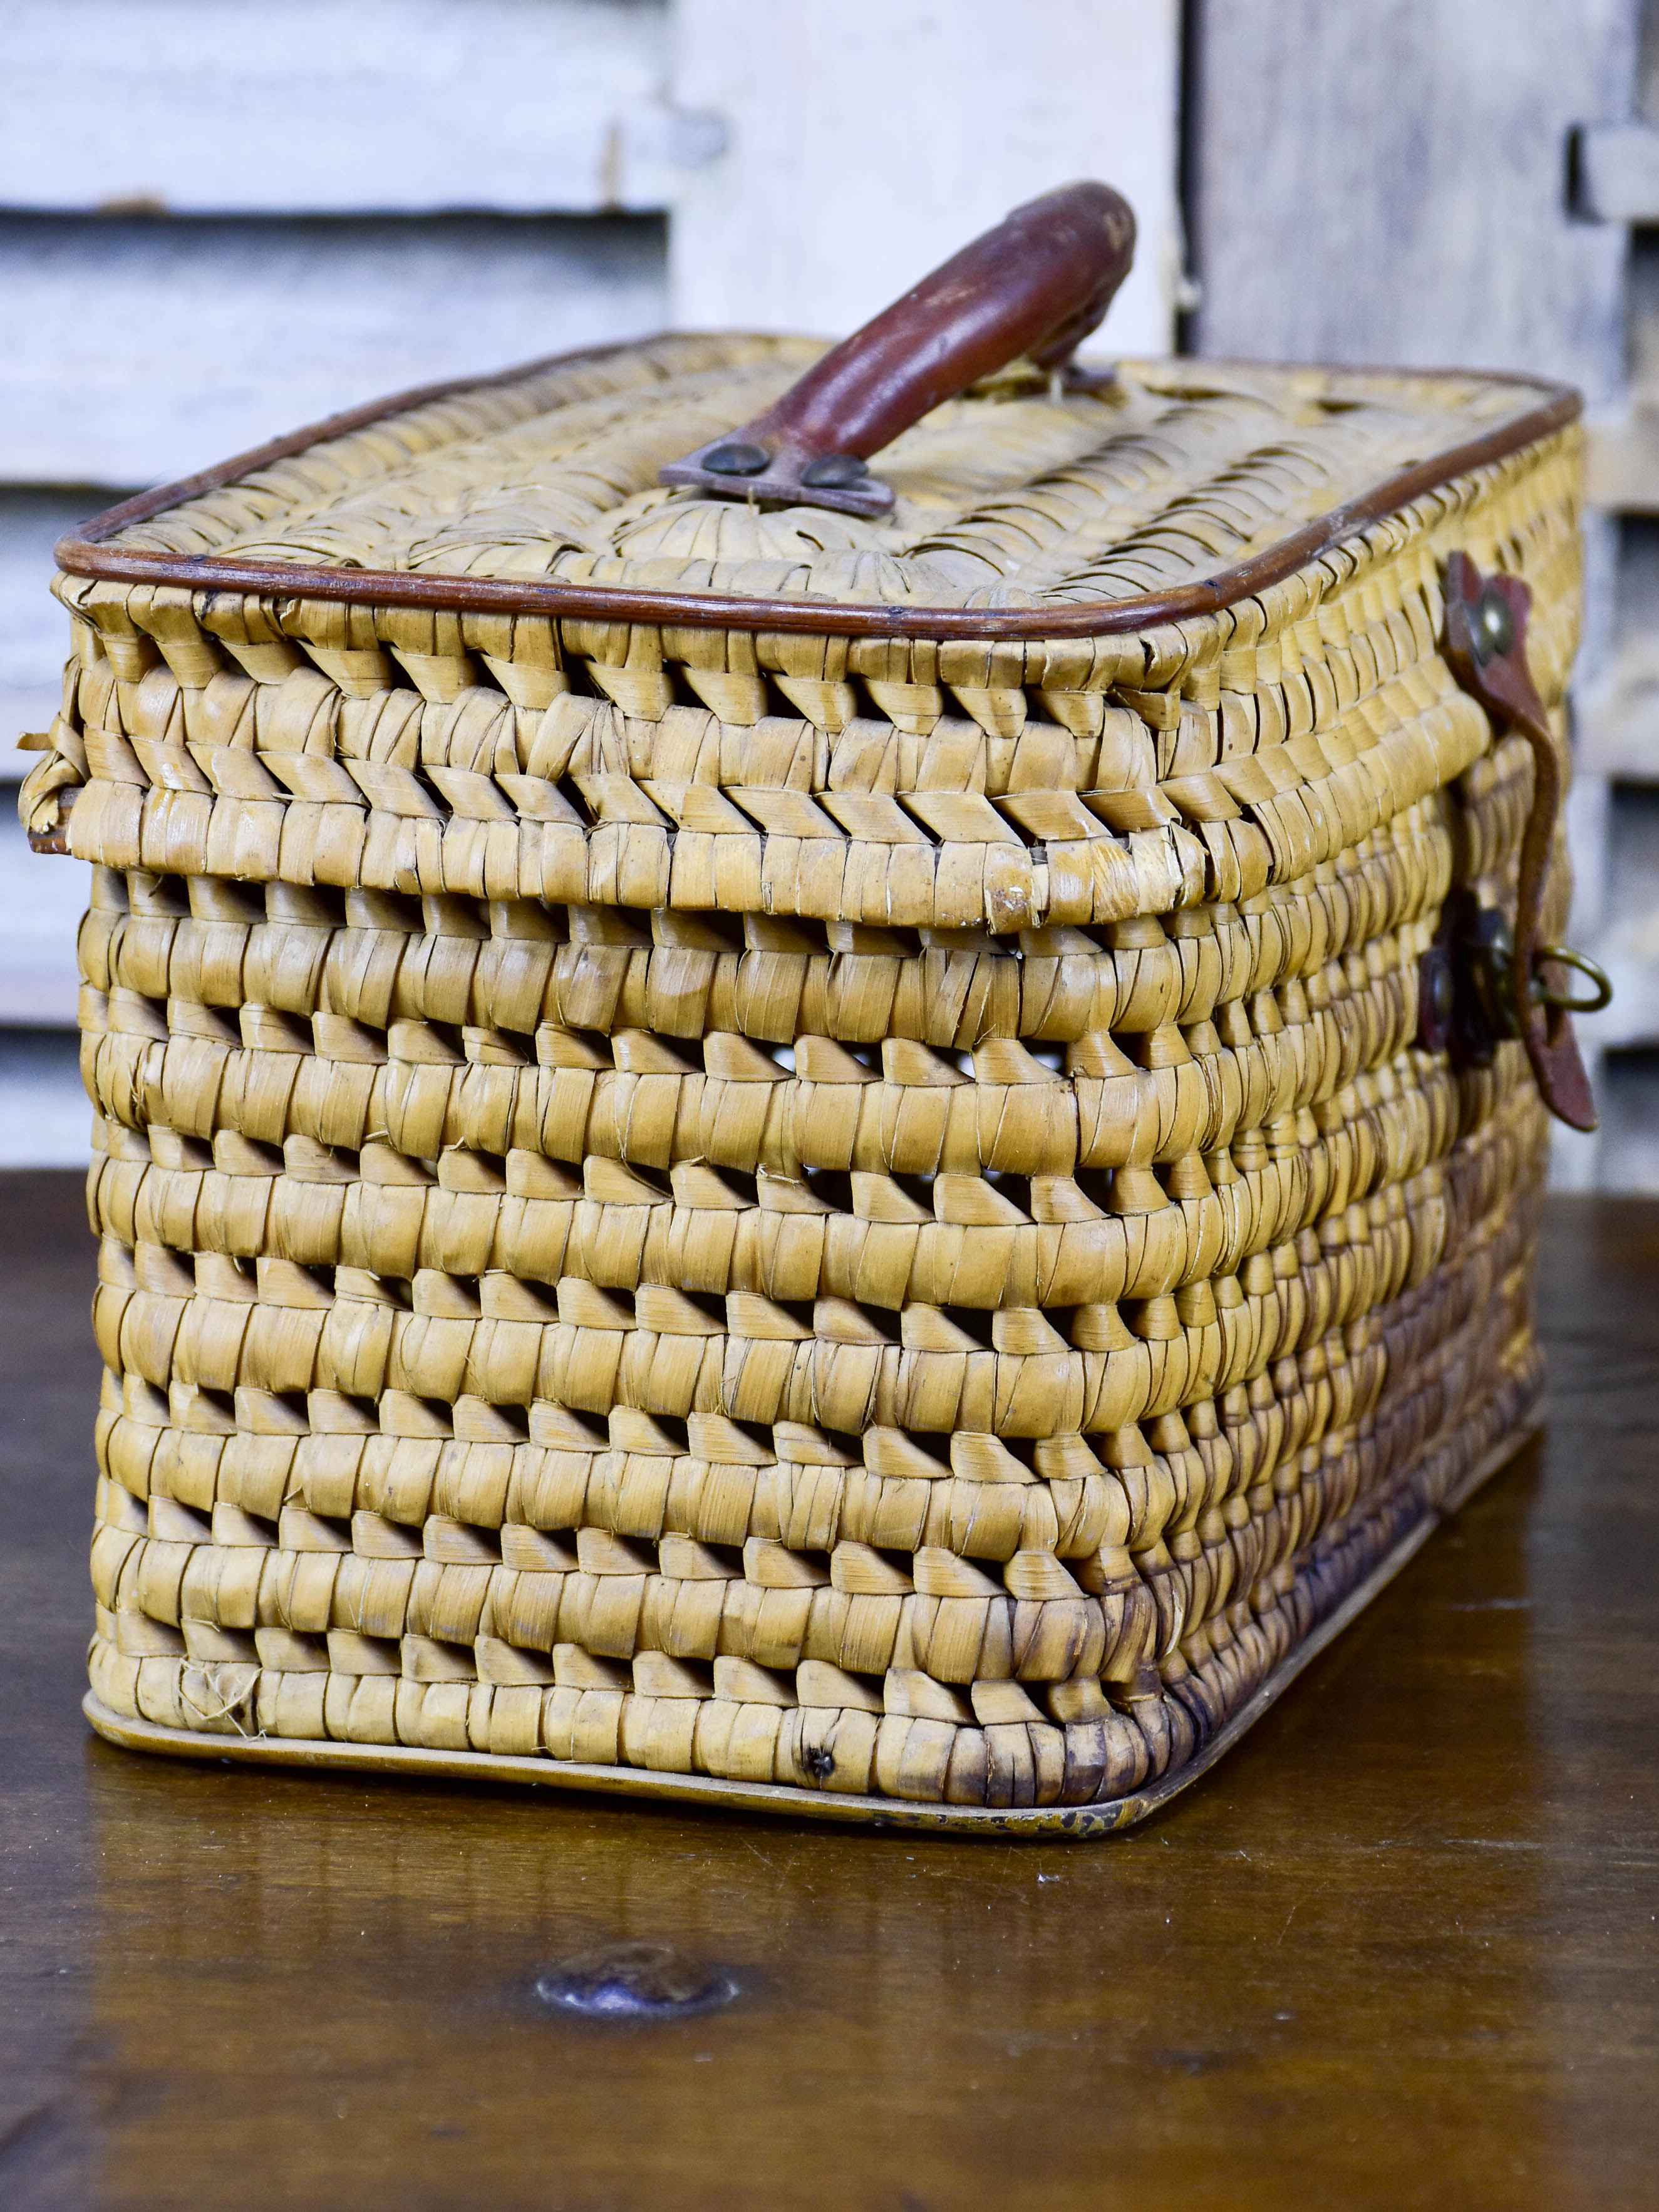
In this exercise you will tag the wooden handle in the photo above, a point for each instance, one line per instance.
(1036, 285)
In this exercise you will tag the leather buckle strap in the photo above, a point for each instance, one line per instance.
(1483, 978)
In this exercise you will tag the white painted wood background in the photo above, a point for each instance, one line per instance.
(135, 347)
(1394, 184)
(313, 107)
(868, 139)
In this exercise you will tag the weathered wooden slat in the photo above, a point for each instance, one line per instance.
(1389, 183)
(1618, 719)
(870, 139)
(290, 107)
(1623, 463)
(45, 1119)
(1627, 941)
(33, 628)
(40, 908)
(133, 350)
(1618, 172)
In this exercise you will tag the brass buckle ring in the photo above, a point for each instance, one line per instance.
(1543, 996)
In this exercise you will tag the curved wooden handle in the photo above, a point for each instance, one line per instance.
(1036, 285)
(1486, 651)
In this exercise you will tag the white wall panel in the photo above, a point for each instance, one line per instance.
(1390, 184)
(45, 1120)
(339, 106)
(132, 351)
(42, 898)
(33, 628)
(869, 139)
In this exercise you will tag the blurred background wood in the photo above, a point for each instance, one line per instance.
(868, 142)
(386, 107)
(1391, 183)
(1410, 182)
(226, 330)
(1398, 1951)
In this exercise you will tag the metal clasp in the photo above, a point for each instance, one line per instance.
(1563, 956)
(1466, 1000)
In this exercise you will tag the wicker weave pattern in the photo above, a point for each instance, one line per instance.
(852, 1212)
(1008, 498)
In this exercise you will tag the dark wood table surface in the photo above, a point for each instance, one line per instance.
(1399, 1949)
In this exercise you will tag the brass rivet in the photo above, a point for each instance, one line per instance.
(736, 459)
(1493, 625)
(831, 471)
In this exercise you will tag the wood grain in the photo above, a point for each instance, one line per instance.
(1397, 1952)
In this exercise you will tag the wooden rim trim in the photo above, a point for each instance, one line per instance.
(86, 553)
(1077, 1822)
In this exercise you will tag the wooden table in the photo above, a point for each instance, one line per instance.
(1398, 1950)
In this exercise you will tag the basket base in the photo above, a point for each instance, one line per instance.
(776, 1797)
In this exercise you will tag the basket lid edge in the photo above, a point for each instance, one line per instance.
(89, 553)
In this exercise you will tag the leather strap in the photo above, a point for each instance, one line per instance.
(1486, 651)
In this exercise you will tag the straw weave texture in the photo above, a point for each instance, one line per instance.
(858, 1212)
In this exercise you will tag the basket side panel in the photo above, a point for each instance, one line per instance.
(866, 1216)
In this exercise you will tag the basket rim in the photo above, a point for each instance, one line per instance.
(86, 552)
(981, 1822)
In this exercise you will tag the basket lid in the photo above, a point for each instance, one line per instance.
(1009, 496)
(949, 464)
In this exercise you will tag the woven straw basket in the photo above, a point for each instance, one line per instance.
(856, 1140)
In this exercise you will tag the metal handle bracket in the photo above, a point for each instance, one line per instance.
(1035, 286)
